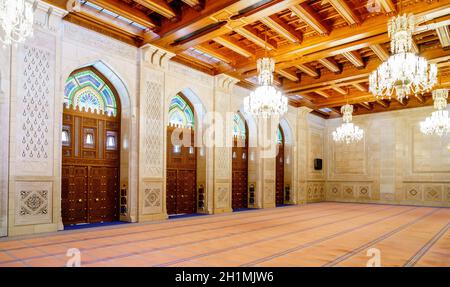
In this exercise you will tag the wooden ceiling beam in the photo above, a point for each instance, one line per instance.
(196, 4)
(387, 5)
(122, 9)
(444, 37)
(288, 75)
(368, 106)
(232, 45)
(356, 98)
(159, 6)
(345, 11)
(339, 90)
(359, 87)
(308, 70)
(330, 64)
(305, 13)
(355, 58)
(383, 103)
(381, 53)
(252, 36)
(322, 93)
(213, 53)
(283, 29)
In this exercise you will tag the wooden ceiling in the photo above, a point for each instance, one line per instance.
(324, 49)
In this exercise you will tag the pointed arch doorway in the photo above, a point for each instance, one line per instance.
(181, 173)
(279, 168)
(239, 163)
(90, 149)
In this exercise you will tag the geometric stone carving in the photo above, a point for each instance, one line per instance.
(222, 195)
(364, 192)
(153, 130)
(413, 192)
(35, 105)
(269, 192)
(433, 192)
(348, 192)
(33, 202)
(152, 197)
(223, 160)
(316, 192)
(334, 191)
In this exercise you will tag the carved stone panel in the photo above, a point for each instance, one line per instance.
(33, 204)
(152, 194)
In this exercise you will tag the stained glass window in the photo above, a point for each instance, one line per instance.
(238, 126)
(86, 90)
(180, 113)
(279, 136)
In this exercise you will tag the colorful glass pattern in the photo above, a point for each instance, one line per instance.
(180, 113)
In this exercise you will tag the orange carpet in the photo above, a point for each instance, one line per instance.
(322, 234)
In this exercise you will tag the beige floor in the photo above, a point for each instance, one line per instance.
(323, 234)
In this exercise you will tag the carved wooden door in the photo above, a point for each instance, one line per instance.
(280, 175)
(239, 175)
(90, 167)
(181, 174)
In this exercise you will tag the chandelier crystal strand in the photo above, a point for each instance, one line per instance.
(439, 122)
(404, 73)
(347, 132)
(16, 21)
(266, 101)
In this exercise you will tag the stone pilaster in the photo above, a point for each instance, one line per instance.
(152, 131)
(223, 141)
(302, 150)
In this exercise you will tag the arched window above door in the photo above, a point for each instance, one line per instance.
(180, 113)
(85, 90)
(279, 136)
(239, 129)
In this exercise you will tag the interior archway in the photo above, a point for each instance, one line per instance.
(90, 140)
(240, 163)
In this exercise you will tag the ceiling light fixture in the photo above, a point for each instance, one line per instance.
(16, 21)
(439, 122)
(404, 73)
(347, 132)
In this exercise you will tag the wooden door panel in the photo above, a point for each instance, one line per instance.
(171, 191)
(186, 191)
(239, 177)
(74, 194)
(280, 175)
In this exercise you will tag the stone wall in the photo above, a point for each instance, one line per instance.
(394, 163)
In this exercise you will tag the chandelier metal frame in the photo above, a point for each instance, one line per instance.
(16, 21)
(348, 132)
(403, 73)
(439, 122)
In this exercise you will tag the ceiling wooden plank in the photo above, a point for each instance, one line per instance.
(381, 53)
(159, 6)
(288, 75)
(346, 12)
(252, 36)
(322, 93)
(310, 17)
(339, 90)
(359, 87)
(122, 9)
(196, 4)
(308, 70)
(383, 103)
(444, 37)
(232, 45)
(387, 5)
(355, 58)
(283, 29)
(330, 64)
(368, 106)
(213, 53)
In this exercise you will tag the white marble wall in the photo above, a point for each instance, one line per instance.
(394, 163)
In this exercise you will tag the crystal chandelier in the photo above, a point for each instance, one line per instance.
(403, 73)
(16, 21)
(347, 132)
(439, 122)
(266, 101)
